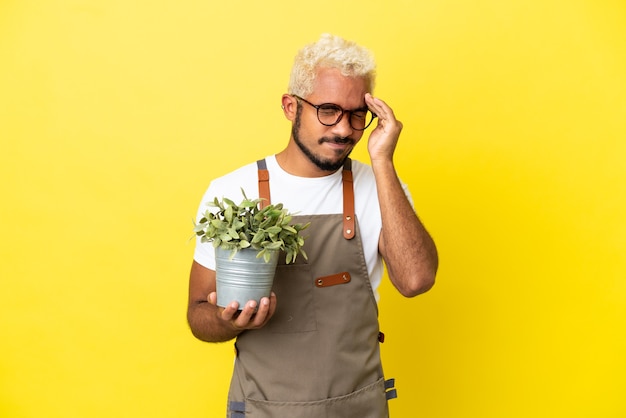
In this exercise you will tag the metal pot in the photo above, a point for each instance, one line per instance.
(244, 277)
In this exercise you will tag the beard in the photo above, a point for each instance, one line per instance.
(325, 164)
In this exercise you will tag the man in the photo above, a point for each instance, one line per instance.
(311, 348)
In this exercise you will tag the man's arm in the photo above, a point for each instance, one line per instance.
(210, 323)
(407, 248)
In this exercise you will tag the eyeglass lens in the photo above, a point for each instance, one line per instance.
(330, 114)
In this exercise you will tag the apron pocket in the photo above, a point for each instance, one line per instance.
(367, 402)
(295, 312)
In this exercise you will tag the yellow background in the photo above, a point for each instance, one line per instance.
(115, 115)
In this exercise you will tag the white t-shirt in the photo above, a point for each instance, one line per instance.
(305, 196)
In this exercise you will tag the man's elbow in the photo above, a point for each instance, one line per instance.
(417, 284)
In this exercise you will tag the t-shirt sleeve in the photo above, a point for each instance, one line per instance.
(229, 186)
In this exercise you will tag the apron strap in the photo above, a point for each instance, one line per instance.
(264, 183)
(390, 390)
(348, 200)
(237, 409)
(348, 194)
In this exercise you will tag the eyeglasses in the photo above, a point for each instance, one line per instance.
(330, 114)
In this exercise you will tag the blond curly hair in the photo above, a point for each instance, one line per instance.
(330, 51)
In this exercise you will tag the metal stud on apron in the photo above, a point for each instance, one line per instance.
(319, 354)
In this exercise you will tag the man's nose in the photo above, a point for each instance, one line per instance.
(343, 127)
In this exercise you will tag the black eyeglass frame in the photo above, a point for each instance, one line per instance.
(343, 112)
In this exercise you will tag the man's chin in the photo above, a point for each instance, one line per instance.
(330, 165)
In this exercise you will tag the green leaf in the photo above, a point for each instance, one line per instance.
(215, 203)
(273, 245)
(228, 214)
(265, 223)
(248, 204)
(290, 229)
(230, 203)
(258, 237)
(275, 213)
(273, 229)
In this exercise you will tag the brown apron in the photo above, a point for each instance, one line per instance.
(319, 354)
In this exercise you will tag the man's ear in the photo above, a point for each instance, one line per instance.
(290, 106)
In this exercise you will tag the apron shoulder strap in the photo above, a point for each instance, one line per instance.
(348, 200)
(264, 183)
(348, 194)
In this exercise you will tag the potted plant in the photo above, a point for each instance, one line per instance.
(247, 241)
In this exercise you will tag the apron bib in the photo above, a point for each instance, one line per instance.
(319, 354)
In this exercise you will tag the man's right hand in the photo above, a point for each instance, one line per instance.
(250, 317)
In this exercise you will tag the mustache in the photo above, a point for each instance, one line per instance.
(336, 140)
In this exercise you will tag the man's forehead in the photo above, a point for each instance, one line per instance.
(332, 87)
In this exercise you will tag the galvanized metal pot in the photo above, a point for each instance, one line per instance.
(244, 277)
